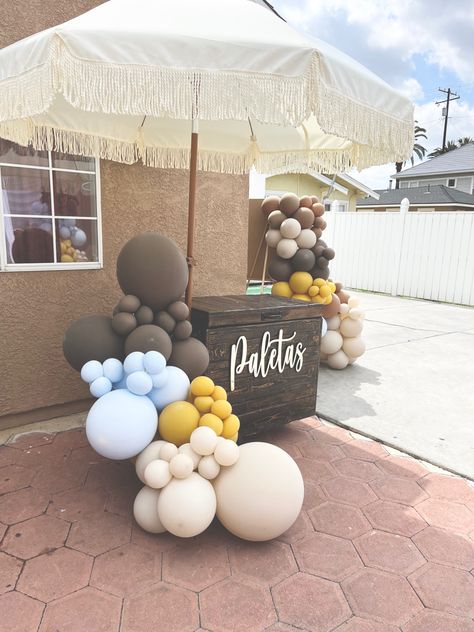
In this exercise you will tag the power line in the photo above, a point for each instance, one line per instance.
(449, 98)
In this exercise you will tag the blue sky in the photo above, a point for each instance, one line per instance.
(415, 45)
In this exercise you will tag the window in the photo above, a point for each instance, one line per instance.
(451, 182)
(327, 205)
(49, 210)
(339, 206)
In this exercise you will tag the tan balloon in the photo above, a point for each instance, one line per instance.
(276, 218)
(331, 342)
(208, 467)
(355, 313)
(333, 308)
(273, 237)
(353, 347)
(149, 454)
(351, 328)
(286, 248)
(269, 204)
(338, 360)
(259, 497)
(289, 204)
(305, 216)
(306, 201)
(318, 209)
(334, 322)
(291, 228)
(343, 296)
(145, 510)
(306, 239)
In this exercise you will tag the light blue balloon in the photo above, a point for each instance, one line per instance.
(64, 232)
(154, 362)
(324, 327)
(120, 425)
(113, 369)
(91, 371)
(122, 384)
(78, 238)
(160, 379)
(100, 387)
(69, 222)
(133, 362)
(139, 383)
(176, 389)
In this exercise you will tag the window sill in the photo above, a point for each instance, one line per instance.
(51, 267)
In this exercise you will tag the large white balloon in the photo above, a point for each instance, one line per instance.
(176, 388)
(259, 497)
(187, 506)
(145, 510)
(120, 425)
(149, 454)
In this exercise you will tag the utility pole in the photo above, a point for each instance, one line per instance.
(451, 96)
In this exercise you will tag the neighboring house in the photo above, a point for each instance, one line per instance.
(338, 194)
(428, 198)
(454, 169)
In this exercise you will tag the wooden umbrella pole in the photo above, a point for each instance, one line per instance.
(191, 211)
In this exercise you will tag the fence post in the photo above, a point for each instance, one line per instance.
(404, 206)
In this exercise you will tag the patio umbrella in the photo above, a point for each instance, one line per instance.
(127, 80)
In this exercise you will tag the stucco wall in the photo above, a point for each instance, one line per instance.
(36, 307)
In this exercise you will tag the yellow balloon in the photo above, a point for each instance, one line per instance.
(66, 258)
(302, 297)
(177, 421)
(235, 437)
(212, 421)
(219, 393)
(324, 291)
(300, 282)
(203, 403)
(317, 299)
(281, 288)
(222, 409)
(319, 282)
(231, 426)
(202, 386)
(332, 286)
(313, 291)
(328, 299)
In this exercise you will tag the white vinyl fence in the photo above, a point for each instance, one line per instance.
(421, 255)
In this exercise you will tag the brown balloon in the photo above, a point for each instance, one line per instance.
(314, 199)
(343, 295)
(280, 269)
(91, 338)
(148, 338)
(191, 356)
(318, 222)
(306, 201)
(318, 251)
(303, 261)
(32, 245)
(129, 303)
(165, 321)
(324, 225)
(151, 267)
(269, 204)
(339, 286)
(322, 262)
(318, 232)
(289, 204)
(144, 315)
(124, 323)
(178, 310)
(333, 308)
(322, 243)
(318, 209)
(320, 273)
(305, 217)
(183, 330)
(329, 254)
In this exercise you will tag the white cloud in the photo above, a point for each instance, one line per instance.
(412, 89)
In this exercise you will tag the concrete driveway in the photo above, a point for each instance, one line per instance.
(414, 387)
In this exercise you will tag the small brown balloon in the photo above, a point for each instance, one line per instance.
(324, 225)
(318, 209)
(144, 315)
(333, 308)
(315, 199)
(178, 310)
(305, 217)
(289, 204)
(276, 219)
(129, 303)
(303, 261)
(183, 330)
(280, 269)
(329, 253)
(165, 321)
(322, 262)
(269, 204)
(124, 323)
(318, 251)
(339, 286)
(318, 232)
(318, 222)
(320, 273)
(191, 356)
(306, 201)
(148, 338)
(343, 295)
(320, 242)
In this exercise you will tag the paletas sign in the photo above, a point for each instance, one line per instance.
(264, 351)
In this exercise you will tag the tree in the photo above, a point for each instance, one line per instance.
(418, 150)
(450, 145)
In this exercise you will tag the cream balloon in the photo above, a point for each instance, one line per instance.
(290, 228)
(157, 474)
(334, 322)
(353, 347)
(306, 239)
(208, 467)
(145, 510)
(351, 328)
(355, 313)
(168, 451)
(344, 309)
(286, 248)
(259, 497)
(149, 454)
(187, 506)
(187, 449)
(181, 466)
(331, 342)
(273, 237)
(227, 453)
(203, 440)
(353, 301)
(338, 360)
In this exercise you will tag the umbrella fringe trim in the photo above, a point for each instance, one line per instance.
(274, 99)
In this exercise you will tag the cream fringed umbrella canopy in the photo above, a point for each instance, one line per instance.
(125, 80)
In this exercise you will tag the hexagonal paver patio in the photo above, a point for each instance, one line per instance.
(383, 544)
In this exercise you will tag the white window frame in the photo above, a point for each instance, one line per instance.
(336, 203)
(39, 267)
